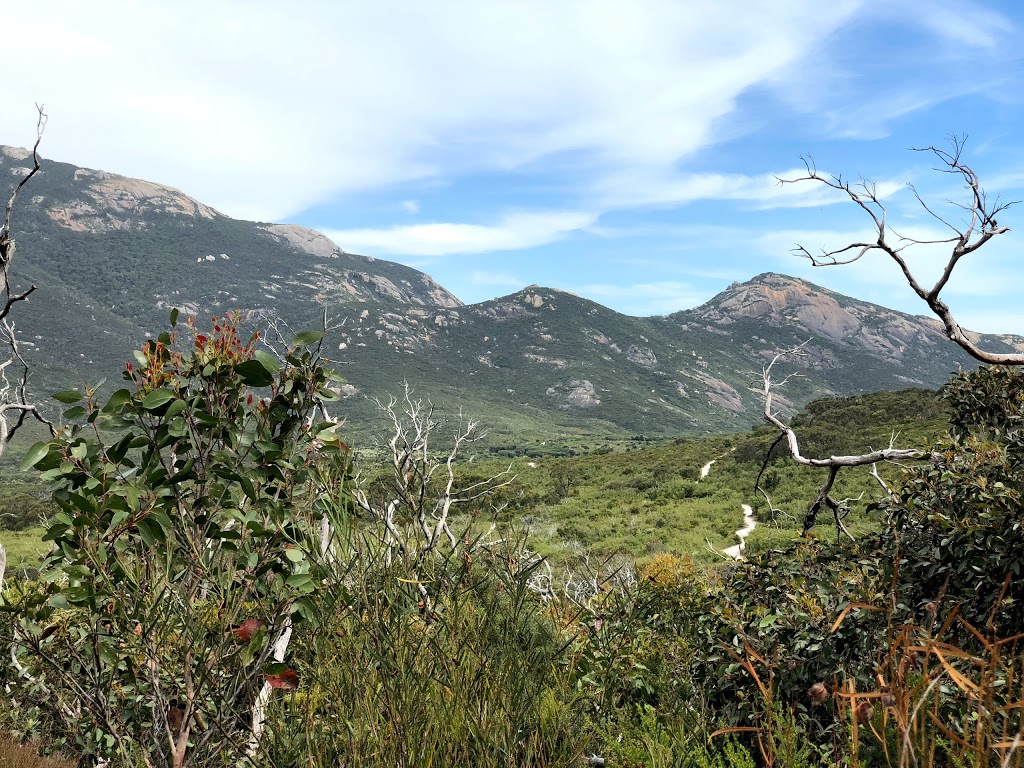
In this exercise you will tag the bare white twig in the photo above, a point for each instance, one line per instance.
(259, 708)
(839, 508)
(15, 404)
(424, 487)
(979, 226)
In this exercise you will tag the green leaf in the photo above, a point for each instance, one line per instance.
(68, 396)
(150, 532)
(175, 408)
(174, 317)
(294, 555)
(59, 602)
(254, 373)
(267, 361)
(34, 455)
(108, 653)
(275, 668)
(117, 399)
(305, 338)
(55, 532)
(157, 398)
(119, 517)
(298, 580)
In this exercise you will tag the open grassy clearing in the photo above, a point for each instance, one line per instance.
(639, 503)
(649, 500)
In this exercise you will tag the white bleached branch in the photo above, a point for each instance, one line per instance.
(978, 227)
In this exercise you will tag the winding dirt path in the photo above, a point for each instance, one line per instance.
(707, 467)
(749, 524)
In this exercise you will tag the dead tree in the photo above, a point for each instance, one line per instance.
(15, 403)
(414, 503)
(977, 227)
(824, 499)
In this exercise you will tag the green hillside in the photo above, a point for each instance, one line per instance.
(647, 500)
(546, 369)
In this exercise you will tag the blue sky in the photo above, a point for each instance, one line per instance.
(623, 151)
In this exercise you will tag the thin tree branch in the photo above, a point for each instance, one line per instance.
(980, 227)
(824, 499)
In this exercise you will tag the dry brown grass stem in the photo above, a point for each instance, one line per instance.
(948, 696)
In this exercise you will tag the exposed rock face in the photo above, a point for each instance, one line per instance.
(642, 356)
(719, 392)
(779, 300)
(439, 295)
(576, 394)
(16, 153)
(582, 395)
(535, 358)
(303, 239)
(534, 300)
(120, 203)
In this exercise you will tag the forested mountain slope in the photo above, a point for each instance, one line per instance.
(112, 255)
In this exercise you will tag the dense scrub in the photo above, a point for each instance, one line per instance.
(213, 596)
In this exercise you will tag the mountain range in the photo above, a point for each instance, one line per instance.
(111, 256)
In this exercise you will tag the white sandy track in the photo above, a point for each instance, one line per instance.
(749, 524)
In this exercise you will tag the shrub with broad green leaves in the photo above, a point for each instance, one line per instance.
(195, 512)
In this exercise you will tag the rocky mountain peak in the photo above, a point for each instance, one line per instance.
(107, 201)
(304, 239)
(779, 299)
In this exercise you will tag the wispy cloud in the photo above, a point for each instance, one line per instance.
(960, 23)
(265, 131)
(511, 232)
(636, 188)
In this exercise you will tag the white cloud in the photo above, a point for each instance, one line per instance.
(512, 232)
(410, 206)
(641, 187)
(263, 110)
(962, 24)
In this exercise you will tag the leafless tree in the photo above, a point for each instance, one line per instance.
(824, 499)
(414, 503)
(15, 403)
(978, 225)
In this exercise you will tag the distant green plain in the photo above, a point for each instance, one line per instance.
(632, 499)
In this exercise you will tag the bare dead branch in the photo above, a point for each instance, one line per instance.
(423, 487)
(824, 499)
(979, 227)
(881, 482)
(15, 404)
